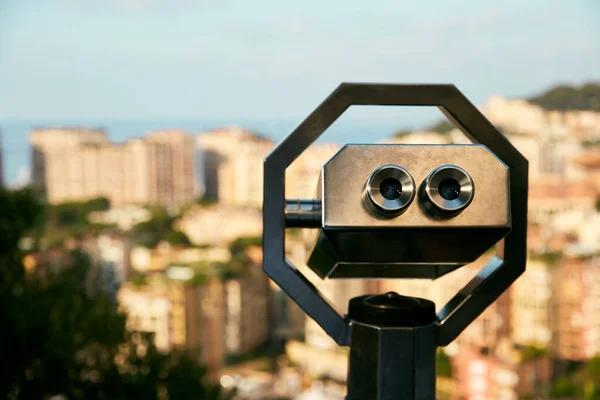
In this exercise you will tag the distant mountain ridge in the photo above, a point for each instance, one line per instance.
(585, 97)
(582, 98)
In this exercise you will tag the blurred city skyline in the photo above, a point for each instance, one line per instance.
(66, 59)
(138, 129)
(184, 261)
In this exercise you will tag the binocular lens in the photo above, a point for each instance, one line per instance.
(390, 189)
(447, 191)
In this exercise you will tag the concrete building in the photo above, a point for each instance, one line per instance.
(210, 318)
(57, 172)
(246, 304)
(492, 326)
(551, 197)
(318, 363)
(233, 167)
(288, 317)
(550, 140)
(158, 259)
(506, 375)
(302, 175)
(181, 316)
(110, 253)
(549, 157)
(197, 322)
(217, 223)
(524, 117)
(545, 239)
(534, 306)
(148, 310)
(183, 185)
(486, 330)
(581, 230)
(232, 161)
(578, 309)
(339, 293)
(125, 217)
(589, 160)
(79, 164)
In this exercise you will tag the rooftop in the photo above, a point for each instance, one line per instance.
(562, 190)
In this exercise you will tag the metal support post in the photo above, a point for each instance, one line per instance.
(393, 348)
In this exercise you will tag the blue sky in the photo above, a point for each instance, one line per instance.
(277, 59)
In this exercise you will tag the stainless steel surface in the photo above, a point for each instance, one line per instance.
(478, 294)
(357, 243)
(301, 213)
(390, 189)
(392, 363)
(344, 177)
(448, 190)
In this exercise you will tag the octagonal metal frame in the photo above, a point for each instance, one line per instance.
(482, 290)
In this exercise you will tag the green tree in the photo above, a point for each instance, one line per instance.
(158, 228)
(241, 244)
(239, 258)
(65, 335)
(19, 213)
(402, 132)
(443, 364)
(581, 382)
(564, 387)
(533, 353)
(442, 126)
(57, 222)
(591, 385)
(75, 213)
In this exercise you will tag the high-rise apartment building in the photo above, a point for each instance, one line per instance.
(493, 324)
(523, 117)
(211, 320)
(110, 253)
(79, 164)
(578, 313)
(181, 316)
(506, 374)
(589, 160)
(302, 175)
(246, 308)
(534, 305)
(60, 166)
(552, 197)
(232, 161)
(555, 307)
(148, 310)
(489, 328)
(182, 186)
(233, 167)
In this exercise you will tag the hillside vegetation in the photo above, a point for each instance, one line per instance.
(585, 97)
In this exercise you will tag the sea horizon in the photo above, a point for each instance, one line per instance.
(16, 152)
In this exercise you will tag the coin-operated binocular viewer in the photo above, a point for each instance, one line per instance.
(399, 211)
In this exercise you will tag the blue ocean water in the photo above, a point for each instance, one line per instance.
(16, 152)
